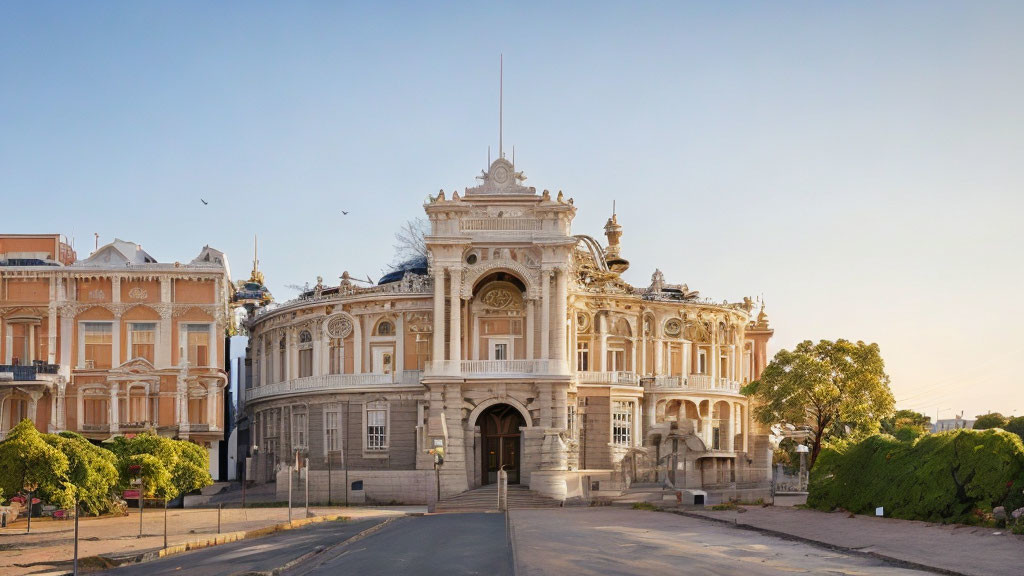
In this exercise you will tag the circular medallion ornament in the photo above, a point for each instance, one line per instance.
(498, 298)
(500, 175)
(673, 327)
(339, 327)
(583, 322)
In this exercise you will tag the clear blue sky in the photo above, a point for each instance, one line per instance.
(858, 164)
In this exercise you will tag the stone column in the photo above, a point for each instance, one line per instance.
(643, 348)
(212, 389)
(8, 343)
(357, 345)
(51, 335)
(115, 347)
(437, 338)
(31, 345)
(399, 365)
(164, 344)
(561, 302)
(529, 328)
(597, 362)
(115, 409)
(115, 289)
(293, 353)
(545, 314)
(455, 322)
(66, 338)
(61, 402)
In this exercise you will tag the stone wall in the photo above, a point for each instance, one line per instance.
(379, 486)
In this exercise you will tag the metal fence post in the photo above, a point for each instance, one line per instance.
(307, 489)
(165, 521)
(219, 506)
(75, 571)
(289, 493)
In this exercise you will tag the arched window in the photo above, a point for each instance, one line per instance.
(305, 354)
(337, 356)
(385, 328)
(305, 337)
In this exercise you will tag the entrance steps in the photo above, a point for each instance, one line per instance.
(485, 499)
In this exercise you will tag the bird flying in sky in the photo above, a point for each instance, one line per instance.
(205, 203)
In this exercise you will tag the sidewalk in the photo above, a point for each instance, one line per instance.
(50, 546)
(945, 548)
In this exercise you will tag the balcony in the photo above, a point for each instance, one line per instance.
(694, 382)
(334, 383)
(94, 428)
(621, 378)
(18, 373)
(493, 368)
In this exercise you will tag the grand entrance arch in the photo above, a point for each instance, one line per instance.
(500, 442)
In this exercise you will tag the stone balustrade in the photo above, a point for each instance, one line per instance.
(334, 382)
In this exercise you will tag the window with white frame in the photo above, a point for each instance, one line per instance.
(142, 340)
(571, 419)
(282, 360)
(376, 426)
(622, 423)
(582, 356)
(198, 344)
(99, 341)
(299, 436)
(501, 351)
(702, 362)
(332, 432)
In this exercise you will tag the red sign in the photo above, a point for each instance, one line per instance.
(130, 494)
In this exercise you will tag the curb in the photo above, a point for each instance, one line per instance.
(321, 549)
(892, 560)
(217, 540)
(510, 532)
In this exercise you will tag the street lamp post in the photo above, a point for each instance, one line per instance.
(30, 487)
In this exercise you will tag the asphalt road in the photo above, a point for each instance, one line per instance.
(618, 541)
(256, 554)
(445, 544)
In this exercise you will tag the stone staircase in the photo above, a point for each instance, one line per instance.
(485, 499)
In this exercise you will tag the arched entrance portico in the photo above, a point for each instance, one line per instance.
(500, 442)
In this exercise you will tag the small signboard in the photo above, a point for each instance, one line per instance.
(130, 494)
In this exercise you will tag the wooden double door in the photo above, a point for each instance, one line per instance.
(500, 446)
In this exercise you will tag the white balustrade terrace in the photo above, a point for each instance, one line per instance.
(491, 368)
(332, 382)
(500, 224)
(626, 378)
(696, 382)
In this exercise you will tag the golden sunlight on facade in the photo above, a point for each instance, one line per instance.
(514, 345)
(113, 344)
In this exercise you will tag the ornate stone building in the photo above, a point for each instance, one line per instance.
(116, 343)
(516, 344)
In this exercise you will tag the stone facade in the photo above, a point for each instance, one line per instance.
(514, 343)
(117, 343)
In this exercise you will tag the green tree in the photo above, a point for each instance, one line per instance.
(840, 389)
(92, 470)
(990, 420)
(906, 424)
(26, 459)
(168, 467)
(1015, 425)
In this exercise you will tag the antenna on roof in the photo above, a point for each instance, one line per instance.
(97, 235)
(501, 98)
(255, 251)
(613, 207)
(488, 155)
(513, 158)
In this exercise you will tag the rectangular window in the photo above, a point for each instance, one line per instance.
(376, 427)
(337, 360)
(299, 430)
(142, 339)
(99, 338)
(622, 424)
(501, 351)
(95, 411)
(197, 410)
(582, 356)
(571, 419)
(332, 442)
(198, 342)
(305, 363)
(137, 407)
(702, 362)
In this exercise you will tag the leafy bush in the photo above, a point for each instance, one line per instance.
(168, 467)
(944, 477)
(26, 458)
(91, 469)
